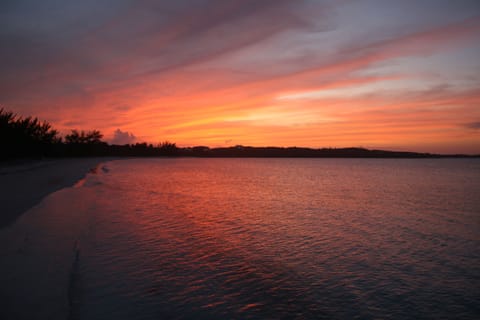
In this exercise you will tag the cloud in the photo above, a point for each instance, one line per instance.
(473, 125)
(123, 137)
(73, 123)
(122, 108)
(101, 51)
(206, 71)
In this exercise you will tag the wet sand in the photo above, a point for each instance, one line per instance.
(38, 266)
(23, 186)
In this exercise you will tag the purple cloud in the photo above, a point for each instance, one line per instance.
(473, 125)
(123, 137)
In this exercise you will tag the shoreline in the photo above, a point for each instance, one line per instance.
(25, 185)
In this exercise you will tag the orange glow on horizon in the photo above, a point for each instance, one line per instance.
(193, 88)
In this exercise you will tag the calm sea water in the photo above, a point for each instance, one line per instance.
(279, 239)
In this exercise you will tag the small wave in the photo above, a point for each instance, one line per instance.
(93, 171)
(80, 183)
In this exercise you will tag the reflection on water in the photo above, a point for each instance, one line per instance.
(280, 239)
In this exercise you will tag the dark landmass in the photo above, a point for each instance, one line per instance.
(297, 152)
(29, 138)
(102, 149)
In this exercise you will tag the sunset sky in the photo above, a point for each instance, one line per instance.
(395, 75)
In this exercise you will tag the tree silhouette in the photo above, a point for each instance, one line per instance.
(84, 137)
(168, 148)
(25, 136)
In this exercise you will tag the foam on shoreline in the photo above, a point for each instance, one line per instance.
(24, 186)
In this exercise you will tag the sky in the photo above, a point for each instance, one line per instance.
(394, 75)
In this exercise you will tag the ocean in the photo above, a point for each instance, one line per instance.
(249, 238)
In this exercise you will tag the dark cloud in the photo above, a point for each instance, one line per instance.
(123, 108)
(473, 125)
(197, 32)
(73, 123)
(123, 137)
(49, 47)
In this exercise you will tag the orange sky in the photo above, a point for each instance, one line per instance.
(273, 73)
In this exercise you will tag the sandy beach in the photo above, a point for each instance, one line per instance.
(37, 266)
(24, 185)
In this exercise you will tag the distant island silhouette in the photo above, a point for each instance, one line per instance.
(31, 138)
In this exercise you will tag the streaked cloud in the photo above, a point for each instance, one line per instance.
(473, 125)
(312, 73)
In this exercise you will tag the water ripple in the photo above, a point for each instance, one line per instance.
(283, 239)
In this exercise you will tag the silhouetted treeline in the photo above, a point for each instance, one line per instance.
(22, 137)
(31, 138)
(102, 149)
(295, 152)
